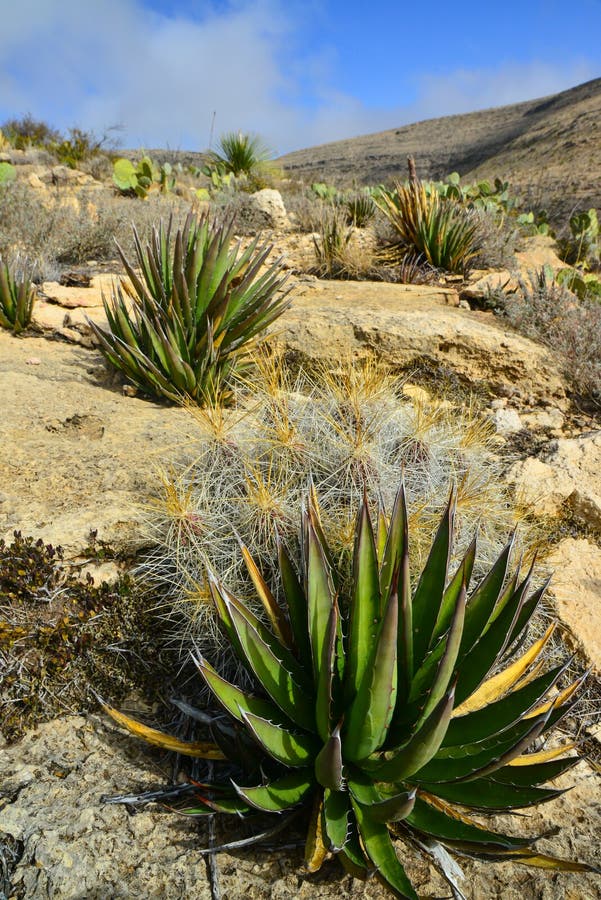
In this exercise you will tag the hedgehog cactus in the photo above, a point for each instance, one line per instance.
(387, 710)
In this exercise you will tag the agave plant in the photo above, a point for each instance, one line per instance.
(17, 297)
(195, 310)
(386, 711)
(441, 229)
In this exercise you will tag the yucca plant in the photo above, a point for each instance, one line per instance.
(185, 324)
(425, 223)
(17, 298)
(360, 209)
(240, 154)
(385, 711)
(332, 246)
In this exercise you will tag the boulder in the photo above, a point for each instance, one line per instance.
(569, 473)
(263, 209)
(576, 586)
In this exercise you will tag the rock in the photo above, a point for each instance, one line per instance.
(507, 421)
(71, 296)
(485, 282)
(576, 586)
(570, 473)
(263, 209)
(74, 846)
(82, 456)
(414, 325)
(539, 250)
(549, 419)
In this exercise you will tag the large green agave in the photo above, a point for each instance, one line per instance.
(378, 711)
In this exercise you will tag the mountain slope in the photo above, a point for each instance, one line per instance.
(549, 149)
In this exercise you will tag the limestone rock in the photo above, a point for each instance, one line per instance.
(75, 846)
(414, 325)
(577, 589)
(263, 209)
(539, 250)
(570, 473)
(507, 421)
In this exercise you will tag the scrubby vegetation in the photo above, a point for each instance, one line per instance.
(61, 638)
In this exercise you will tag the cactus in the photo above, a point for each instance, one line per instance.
(7, 172)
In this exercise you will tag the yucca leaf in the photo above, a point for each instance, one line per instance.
(370, 713)
(366, 610)
(435, 822)
(336, 816)
(403, 762)
(380, 850)
(281, 794)
(430, 588)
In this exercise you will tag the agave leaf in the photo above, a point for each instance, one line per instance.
(380, 850)
(495, 717)
(526, 775)
(228, 805)
(279, 795)
(270, 604)
(494, 688)
(542, 756)
(370, 713)
(542, 861)
(558, 701)
(336, 812)
(482, 602)
(430, 817)
(486, 794)
(320, 593)
(328, 762)
(296, 602)
(315, 849)
(388, 808)
(461, 579)
(264, 657)
(199, 749)
(294, 750)
(235, 701)
(396, 542)
(400, 764)
(429, 592)
(527, 611)
(324, 712)
(366, 611)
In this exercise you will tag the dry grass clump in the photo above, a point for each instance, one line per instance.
(59, 634)
(549, 312)
(342, 430)
(55, 230)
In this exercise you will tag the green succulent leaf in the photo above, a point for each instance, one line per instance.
(378, 845)
(366, 610)
(446, 827)
(291, 749)
(329, 769)
(336, 816)
(279, 795)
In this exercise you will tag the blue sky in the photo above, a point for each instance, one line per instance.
(298, 73)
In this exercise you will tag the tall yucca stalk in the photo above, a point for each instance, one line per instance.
(385, 709)
(17, 298)
(184, 325)
(443, 231)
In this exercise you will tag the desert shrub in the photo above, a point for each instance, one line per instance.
(388, 706)
(360, 209)
(549, 312)
(29, 132)
(498, 238)
(59, 635)
(441, 229)
(582, 247)
(17, 297)
(331, 246)
(198, 305)
(345, 429)
(305, 210)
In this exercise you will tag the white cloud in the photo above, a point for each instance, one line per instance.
(107, 62)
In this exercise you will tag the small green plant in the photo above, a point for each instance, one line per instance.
(325, 192)
(583, 247)
(198, 305)
(385, 710)
(143, 177)
(585, 285)
(240, 154)
(440, 229)
(331, 246)
(360, 209)
(17, 298)
(8, 173)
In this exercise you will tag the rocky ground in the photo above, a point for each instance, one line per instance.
(81, 452)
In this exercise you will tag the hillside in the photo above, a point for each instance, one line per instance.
(550, 149)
